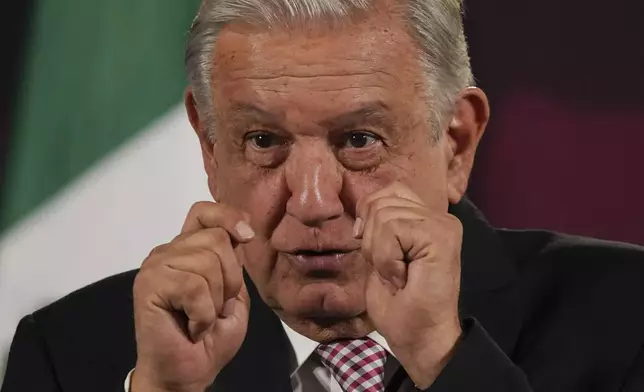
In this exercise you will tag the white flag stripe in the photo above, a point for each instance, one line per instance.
(104, 223)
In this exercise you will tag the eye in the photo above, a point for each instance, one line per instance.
(360, 139)
(263, 140)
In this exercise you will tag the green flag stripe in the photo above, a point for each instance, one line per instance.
(97, 71)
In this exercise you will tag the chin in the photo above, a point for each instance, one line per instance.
(322, 300)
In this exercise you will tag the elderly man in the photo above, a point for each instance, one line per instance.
(338, 137)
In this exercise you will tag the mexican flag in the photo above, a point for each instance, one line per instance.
(101, 162)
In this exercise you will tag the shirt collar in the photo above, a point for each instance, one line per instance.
(303, 347)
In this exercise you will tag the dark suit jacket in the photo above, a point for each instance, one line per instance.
(541, 312)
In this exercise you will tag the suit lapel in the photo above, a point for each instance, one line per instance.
(488, 269)
(262, 362)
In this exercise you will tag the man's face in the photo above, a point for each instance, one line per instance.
(308, 122)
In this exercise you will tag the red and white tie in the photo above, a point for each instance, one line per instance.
(357, 365)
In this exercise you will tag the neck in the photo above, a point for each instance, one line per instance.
(329, 329)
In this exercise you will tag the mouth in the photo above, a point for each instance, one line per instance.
(316, 262)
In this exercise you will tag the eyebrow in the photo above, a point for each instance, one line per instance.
(248, 110)
(374, 113)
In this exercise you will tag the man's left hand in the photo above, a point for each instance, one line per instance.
(412, 295)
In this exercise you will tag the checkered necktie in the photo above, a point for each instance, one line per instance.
(357, 365)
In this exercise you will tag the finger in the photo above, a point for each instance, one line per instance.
(376, 205)
(395, 189)
(440, 260)
(233, 321)
(211, 215)
(381, 212)
(160, 249)
(388, 261)
(203, 263)
(388, 256)
(190, 294)
(387, 208)
(376, 238)
(218, 241)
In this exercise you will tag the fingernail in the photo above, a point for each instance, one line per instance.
(357, 227)
(244, 230)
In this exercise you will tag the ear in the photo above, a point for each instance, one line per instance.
(207, 146)
(471, 115)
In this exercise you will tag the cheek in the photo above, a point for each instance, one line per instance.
(427, 177)
(264, 198)
(423, 171)
(357, 185)
(260, 193)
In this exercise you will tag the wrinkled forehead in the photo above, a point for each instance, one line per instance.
(381, 23)
(373, 56)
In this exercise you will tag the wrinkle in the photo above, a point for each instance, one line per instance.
(314, 75)
(322, 90)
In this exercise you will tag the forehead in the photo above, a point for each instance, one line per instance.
(372, 56)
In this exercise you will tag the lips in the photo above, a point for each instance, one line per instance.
(312, 261)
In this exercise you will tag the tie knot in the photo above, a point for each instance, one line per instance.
(358, 365)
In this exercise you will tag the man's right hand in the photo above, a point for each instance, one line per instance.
(190, 303)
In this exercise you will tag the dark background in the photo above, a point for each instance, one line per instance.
(564, 149)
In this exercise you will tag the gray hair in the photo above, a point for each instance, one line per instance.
(435, 24)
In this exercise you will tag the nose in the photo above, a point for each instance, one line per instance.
(314, 180)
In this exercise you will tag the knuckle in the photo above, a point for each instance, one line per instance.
(139, 282)
(205, 310)
(401, 225)
(158, 250)
(235, 278)
(219, 236)
(195, 287)
(199, 206)
(206, 255)
(386, 214)
(149, 262)
(380, 203)
(377, 205)
(455, 224)
(144, 284)
(198, 209)
(180, 237)
(212, 272)
(379, 217)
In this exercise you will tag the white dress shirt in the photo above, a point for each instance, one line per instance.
(308, 374)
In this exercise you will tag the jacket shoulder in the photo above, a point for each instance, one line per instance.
(92, 300)
(570, 251)
(576, 297)
(89, 333)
